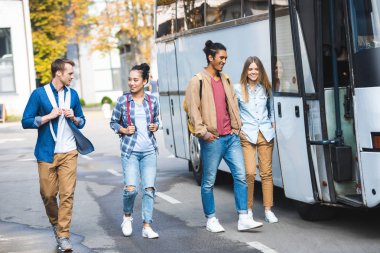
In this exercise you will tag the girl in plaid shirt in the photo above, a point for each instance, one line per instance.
(135, 119)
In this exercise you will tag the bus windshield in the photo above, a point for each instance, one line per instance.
(365, 17)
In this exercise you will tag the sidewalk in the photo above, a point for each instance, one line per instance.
(10, 124)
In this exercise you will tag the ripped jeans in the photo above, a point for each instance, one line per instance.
(139, 168)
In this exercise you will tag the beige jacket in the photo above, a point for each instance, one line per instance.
(202, 113)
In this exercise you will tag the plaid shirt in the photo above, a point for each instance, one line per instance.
(119, 119)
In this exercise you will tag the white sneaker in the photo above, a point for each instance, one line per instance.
(250, 213)
(126, 226)
(245, 223)
(270, 217)
(149, 233)
(214, 226)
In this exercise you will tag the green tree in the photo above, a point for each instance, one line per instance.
(55, 24)
(134, 18)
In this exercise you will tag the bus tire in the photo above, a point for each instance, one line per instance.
(314, 212)
(195, 163)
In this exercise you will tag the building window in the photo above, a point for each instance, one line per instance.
(190, 14)
(7, 81)
(220, 11)
(255, 7)
(166, 16)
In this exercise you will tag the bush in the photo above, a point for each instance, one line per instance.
(107, 100)
(82, 102)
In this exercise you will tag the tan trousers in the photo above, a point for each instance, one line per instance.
(59, 177)
(265, 151)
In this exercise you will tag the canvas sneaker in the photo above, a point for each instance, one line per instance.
(245, 223)
(270, 217)
(126, 226)
(214, 226)
(250, 213)
(64, 244)
(148, 232)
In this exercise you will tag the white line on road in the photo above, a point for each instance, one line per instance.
(27, 159)
(87, 157)
(168, 198)
(261, 247)
(171, 156)
(114, 172)
(10, 140)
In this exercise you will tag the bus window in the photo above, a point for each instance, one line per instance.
(255, 7)
(218, 11)
(165, 13)
(190, 14)
(7, 81)
(366, 24)
(284, 64)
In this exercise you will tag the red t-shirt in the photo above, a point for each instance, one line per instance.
(223, 120)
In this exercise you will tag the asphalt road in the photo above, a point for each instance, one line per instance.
(178, 216)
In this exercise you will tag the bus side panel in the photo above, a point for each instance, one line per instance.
(367, 120)
(164, 98)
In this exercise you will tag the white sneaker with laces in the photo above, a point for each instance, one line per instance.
(148, 232)
(245, 223)
(126, 226)
(214, 226)
(270, 217)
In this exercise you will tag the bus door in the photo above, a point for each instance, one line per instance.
(364, 23)
(174, 101)
(298, 181)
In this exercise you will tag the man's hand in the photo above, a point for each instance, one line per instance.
(212, 138)
(152, 127)
(68, 113)
(56, 112)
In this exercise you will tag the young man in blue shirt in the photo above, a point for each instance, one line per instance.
(56, 150)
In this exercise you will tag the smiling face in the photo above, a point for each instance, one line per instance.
(136, 82)
(217, 62)
(253, 73)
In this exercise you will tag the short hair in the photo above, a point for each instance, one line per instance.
(59, 65)
(144, 68)
(212, 48)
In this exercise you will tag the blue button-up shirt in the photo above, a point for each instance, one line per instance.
(254, 114)
(119, 119)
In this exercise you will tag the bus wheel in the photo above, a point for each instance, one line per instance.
(195, 163)
(314, 212)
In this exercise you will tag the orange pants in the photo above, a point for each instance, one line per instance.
(59, 177)
(265, 151)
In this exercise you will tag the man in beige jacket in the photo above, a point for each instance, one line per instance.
(214, 113)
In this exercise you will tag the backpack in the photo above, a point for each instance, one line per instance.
(128, 110)
(190, 126)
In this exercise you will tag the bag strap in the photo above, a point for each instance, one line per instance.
(150, 109)
(53, 103)
(128, 110)
(200, 84)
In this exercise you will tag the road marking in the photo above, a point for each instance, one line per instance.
(114, 172)
(171, 156)
(261, 247)
(168, 198)
(3, 239)
(10, 140)
(87, 157)
(27, 159)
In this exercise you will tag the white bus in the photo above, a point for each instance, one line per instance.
(326, 88)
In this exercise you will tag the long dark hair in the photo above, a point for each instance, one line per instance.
(212, 48)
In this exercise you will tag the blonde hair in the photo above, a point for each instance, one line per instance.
(263, 77)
